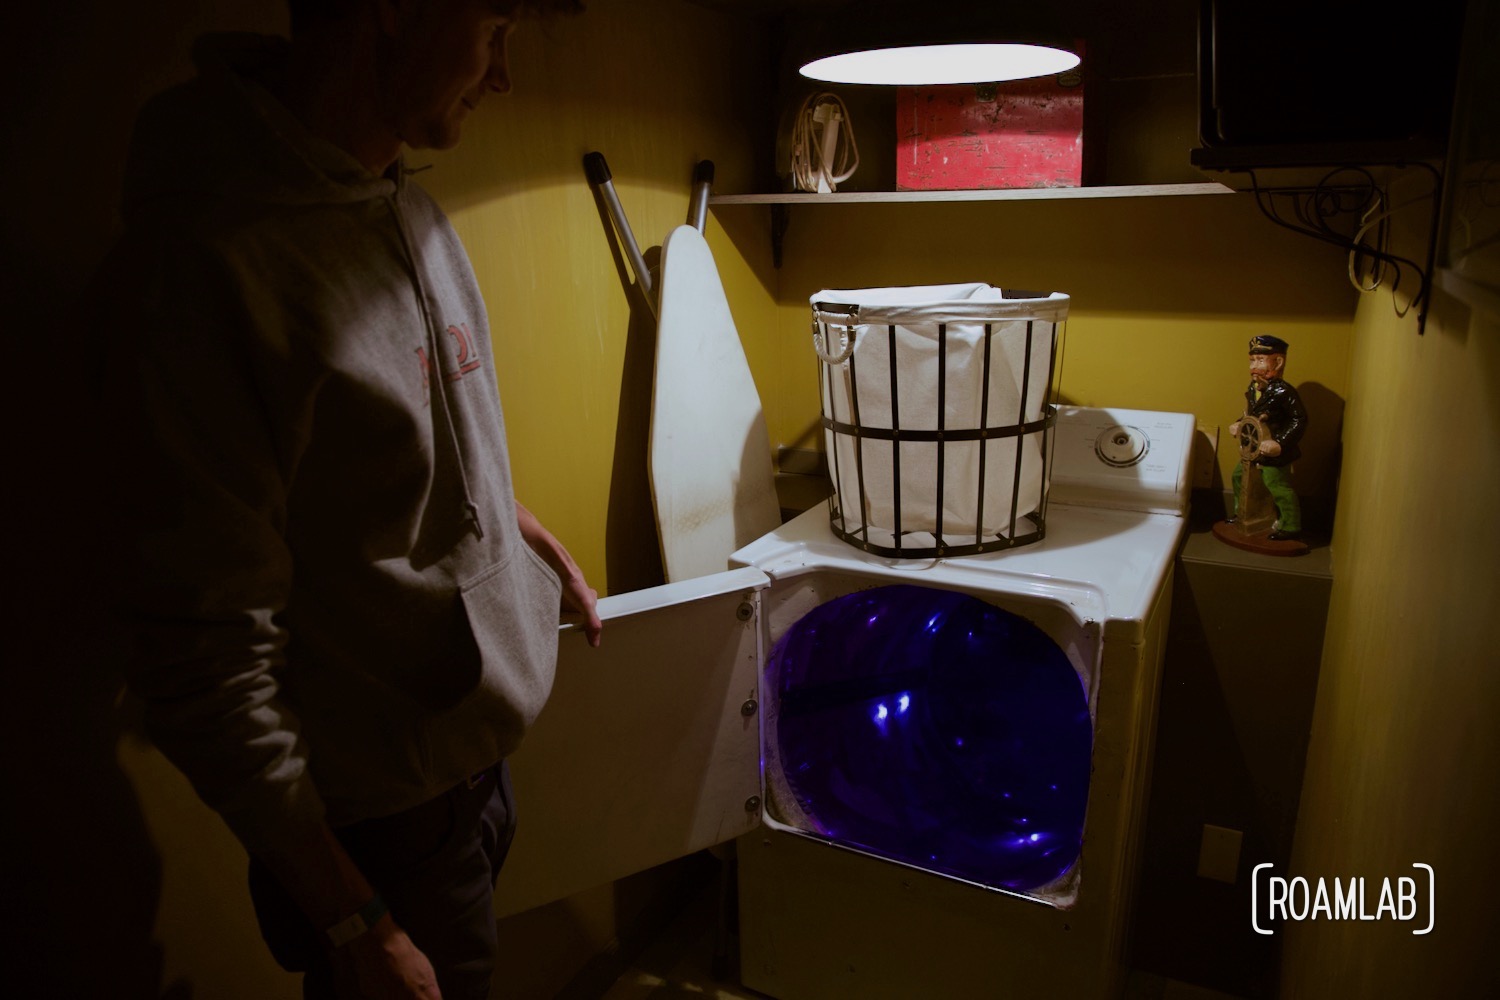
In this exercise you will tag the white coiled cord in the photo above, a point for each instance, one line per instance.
(824, 154)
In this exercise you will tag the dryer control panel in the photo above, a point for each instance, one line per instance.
(1122, 459)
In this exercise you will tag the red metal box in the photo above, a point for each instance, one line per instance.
(1023, 134)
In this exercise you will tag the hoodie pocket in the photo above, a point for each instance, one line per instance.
(513, 611)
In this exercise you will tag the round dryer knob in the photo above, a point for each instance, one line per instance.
(1121, 446)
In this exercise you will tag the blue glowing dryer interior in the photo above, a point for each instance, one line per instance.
(933, 729)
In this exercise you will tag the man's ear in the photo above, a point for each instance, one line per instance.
(1279, 360)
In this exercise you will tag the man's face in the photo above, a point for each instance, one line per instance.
(440, 58)
(1264, 367)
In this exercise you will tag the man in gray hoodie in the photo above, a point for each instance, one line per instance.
(343, 622)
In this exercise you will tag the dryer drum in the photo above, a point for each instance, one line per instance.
(934, 729)
(937, 408)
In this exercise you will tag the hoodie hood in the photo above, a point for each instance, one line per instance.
(222, 136)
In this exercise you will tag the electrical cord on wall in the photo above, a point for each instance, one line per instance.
(1312, 210)
(824, 154)
(1376, 269)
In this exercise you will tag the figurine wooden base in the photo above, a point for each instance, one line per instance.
(1259, 541)
(1252, 529)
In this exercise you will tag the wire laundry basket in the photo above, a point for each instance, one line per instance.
(938, 404)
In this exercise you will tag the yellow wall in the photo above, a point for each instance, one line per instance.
(1405, 744)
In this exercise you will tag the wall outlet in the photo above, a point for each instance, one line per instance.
(1205, 456)
(1219, 853)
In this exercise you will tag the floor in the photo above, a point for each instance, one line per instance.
(680, 963)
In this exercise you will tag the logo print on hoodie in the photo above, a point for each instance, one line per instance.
(467, 360)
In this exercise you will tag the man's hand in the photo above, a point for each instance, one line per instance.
(317, 872)
(577, 595)
(1270, 448)
(383, 964)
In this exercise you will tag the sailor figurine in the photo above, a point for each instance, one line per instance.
(1277, 406)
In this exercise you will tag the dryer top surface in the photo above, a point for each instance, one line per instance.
(1107, 564)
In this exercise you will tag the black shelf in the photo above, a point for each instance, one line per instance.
(1306, 165)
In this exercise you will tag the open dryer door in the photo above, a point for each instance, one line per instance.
(649, 747)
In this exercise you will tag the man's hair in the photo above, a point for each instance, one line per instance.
(305, 13)
(309, 12)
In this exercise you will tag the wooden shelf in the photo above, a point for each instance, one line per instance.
(1009, 194)
(781, 204)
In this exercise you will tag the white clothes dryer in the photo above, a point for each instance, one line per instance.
(936, 769)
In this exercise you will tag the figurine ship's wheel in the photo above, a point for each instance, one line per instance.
(1252, 432)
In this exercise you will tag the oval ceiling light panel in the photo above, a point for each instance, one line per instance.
(922, 65)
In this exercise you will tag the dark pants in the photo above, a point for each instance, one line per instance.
(435, 865)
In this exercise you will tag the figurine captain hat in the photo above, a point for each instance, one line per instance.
(1266, 344)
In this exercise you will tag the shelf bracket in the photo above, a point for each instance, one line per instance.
(781, 217)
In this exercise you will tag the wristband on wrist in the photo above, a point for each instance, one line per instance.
(353, 926)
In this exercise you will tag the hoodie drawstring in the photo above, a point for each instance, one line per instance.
(434, 345)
